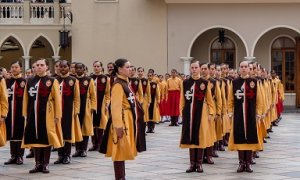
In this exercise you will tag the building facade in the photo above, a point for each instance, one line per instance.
(166, 34)
(30, 30)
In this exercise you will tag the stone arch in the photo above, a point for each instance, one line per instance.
(268, 30)
(12, 48)
(41, 35)
(264, 41)
(200, 47)
(217, 27)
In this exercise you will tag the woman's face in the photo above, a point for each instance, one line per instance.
(40, 67)
(97, 67)
(15, 69)
(125, 70)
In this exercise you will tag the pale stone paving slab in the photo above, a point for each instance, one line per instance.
(165, 160)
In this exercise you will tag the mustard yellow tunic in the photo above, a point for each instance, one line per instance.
(3, 110)
(225, 118)
(91, 104)
(54, 130)
(156, 113)
(259, 111)
(205, 138)
(124, 148)
(76, 129)
(146, 102)
(218, 114)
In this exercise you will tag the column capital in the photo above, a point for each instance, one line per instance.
(26, 57)
(56, 58)
(186, 58)
(186, 64)
(249, 58)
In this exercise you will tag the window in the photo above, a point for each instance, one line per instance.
(283, 61)
(223, 52)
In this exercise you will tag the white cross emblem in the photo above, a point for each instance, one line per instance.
(131, 98)
(10, 91)
(189, 94)
(239, 93)
(33, 91)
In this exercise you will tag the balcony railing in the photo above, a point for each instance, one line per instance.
(34, 13)
(11, 13)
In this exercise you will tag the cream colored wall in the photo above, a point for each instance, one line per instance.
(248, 21)
(132, 29)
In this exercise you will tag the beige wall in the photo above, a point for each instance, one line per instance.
(132, 29)
(248, 21)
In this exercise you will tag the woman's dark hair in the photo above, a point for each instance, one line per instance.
(79, 63)
(119, 63)
(16, 62)
(66, 62)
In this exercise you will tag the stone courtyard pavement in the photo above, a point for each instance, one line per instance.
(165, 160)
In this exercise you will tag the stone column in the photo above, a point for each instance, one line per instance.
(26, 62)
(56, 12)
(186, 64)
(27, 11)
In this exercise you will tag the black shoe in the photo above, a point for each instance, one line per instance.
(76, 154)
(45, 168)
(11, 161)
(67, 160)
(221, 147)
(192, 168)
(83, 154)
(59, 160)
(37, 168)
(19, 161)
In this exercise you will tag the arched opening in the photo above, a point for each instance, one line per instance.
(283, 61)
(41, 48)
(223, 52)
(10, 50)
(208, 47)
(276, 49)
(66, 53)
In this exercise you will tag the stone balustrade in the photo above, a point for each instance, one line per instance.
(34, 13)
